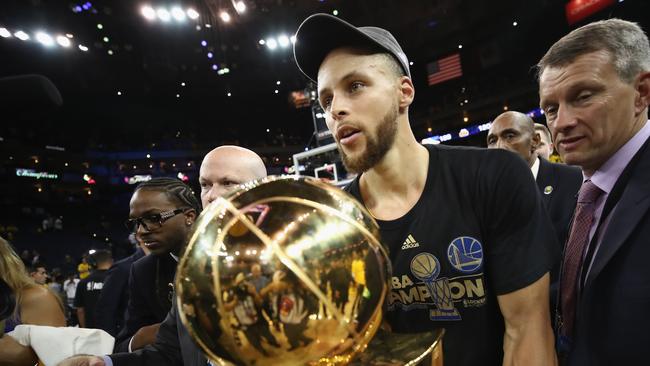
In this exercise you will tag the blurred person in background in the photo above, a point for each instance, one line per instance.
(84, 267)
(38, 273)
(89, 288)
(56, 284)
(70, 290)
(69, 267)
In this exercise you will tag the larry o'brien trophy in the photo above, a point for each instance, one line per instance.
(289, 271)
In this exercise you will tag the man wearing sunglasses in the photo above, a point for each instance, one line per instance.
(162, 212)
(222, 170)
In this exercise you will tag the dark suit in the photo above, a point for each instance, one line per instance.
(111, 306)
(150, 295)
(173, 347)
(559, 184)
(612, 324)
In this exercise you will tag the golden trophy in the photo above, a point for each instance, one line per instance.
(290, 271)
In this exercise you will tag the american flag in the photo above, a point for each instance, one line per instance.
(444, 69)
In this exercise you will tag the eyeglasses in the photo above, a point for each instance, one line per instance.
(153, 221)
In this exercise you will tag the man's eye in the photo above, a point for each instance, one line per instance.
(550, 111)
(326, 103)
(356, 86)
(152, 218)
(584, 96)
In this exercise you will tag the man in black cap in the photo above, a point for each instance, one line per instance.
(466, 228)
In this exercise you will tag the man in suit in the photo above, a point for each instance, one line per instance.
(594, 86)
(113, 300)
(162, 212)
(558, 183)
(222, 169)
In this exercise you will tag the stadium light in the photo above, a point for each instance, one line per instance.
(192, 14)
(63, 41)
(45, 39)
(271, 44)
(21, 35)
(283, 40)
(163, 14)
(178, 14)
(148, 12)
(240, 7)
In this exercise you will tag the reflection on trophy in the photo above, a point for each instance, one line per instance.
(289, 271)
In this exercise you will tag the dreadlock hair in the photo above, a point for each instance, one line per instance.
(175, 190)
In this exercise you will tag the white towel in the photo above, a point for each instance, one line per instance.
(53, 344)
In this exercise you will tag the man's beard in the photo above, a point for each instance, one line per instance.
(377, 148)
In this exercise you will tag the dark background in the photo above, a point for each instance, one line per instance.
(108, 136)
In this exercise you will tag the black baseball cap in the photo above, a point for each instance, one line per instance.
(321, 33)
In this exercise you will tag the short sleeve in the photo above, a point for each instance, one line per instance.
(518, 233)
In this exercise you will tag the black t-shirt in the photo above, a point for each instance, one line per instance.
(87, 294)
(478, 230)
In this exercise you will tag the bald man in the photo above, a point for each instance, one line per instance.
(226, 167)
(558, 183)
(222, 170)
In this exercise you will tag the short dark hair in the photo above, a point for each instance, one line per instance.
(174, 189)
(34, 267)
(389, 59)
(393, 64)
(101, 256)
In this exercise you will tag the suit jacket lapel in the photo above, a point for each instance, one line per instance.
(545, 178)
(625, 217)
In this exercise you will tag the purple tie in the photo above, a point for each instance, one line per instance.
(574, 251)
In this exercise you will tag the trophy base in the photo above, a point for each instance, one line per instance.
(409, 349)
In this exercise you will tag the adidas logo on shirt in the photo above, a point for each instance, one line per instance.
(410, 242)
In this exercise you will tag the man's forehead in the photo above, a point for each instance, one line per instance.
(582, 67)
(219, 170)
(341, 62)
(503, 123)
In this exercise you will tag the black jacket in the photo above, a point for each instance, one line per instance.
(111, 306)
(612, 316)
(150, 288)
(559, 185)
(173, 347)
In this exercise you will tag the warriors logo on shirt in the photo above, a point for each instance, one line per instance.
(465, 254)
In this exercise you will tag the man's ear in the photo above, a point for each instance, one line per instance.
(537, 139)
(642, 87)
(407, 92)
(190, 216)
